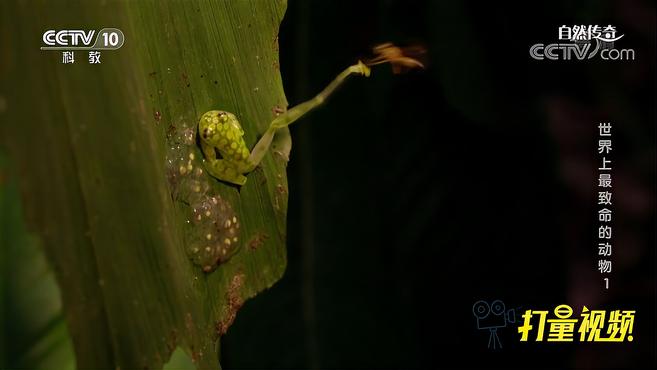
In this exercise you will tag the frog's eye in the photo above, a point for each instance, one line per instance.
(208, 131)
(223, 117)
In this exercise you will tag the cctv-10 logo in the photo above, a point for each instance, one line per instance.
(105, 39)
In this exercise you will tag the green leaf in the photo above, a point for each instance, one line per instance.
(98, 150)
(33, 333)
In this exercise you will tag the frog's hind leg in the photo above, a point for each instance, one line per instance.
(225, 171)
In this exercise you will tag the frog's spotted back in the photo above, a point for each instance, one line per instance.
(225, 151)
(223, 131)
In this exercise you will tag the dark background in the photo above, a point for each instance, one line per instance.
(413, 196)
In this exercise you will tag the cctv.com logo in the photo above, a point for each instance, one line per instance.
(582, 42)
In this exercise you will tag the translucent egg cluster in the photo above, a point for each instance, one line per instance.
(212, 227)
(217, 237)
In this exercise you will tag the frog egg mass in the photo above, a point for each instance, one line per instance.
(211, 231)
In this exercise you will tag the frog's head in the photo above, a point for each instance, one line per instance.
(214, 122)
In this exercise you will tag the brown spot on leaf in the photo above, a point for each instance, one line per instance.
(172, 341)
(281, 189)
(277, 110)
(257, 241)
(233, 304)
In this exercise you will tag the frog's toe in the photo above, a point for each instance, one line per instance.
(241, 180)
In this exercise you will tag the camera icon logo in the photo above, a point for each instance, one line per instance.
(491, 317)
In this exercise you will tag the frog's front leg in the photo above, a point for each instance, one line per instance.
(298, 111)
